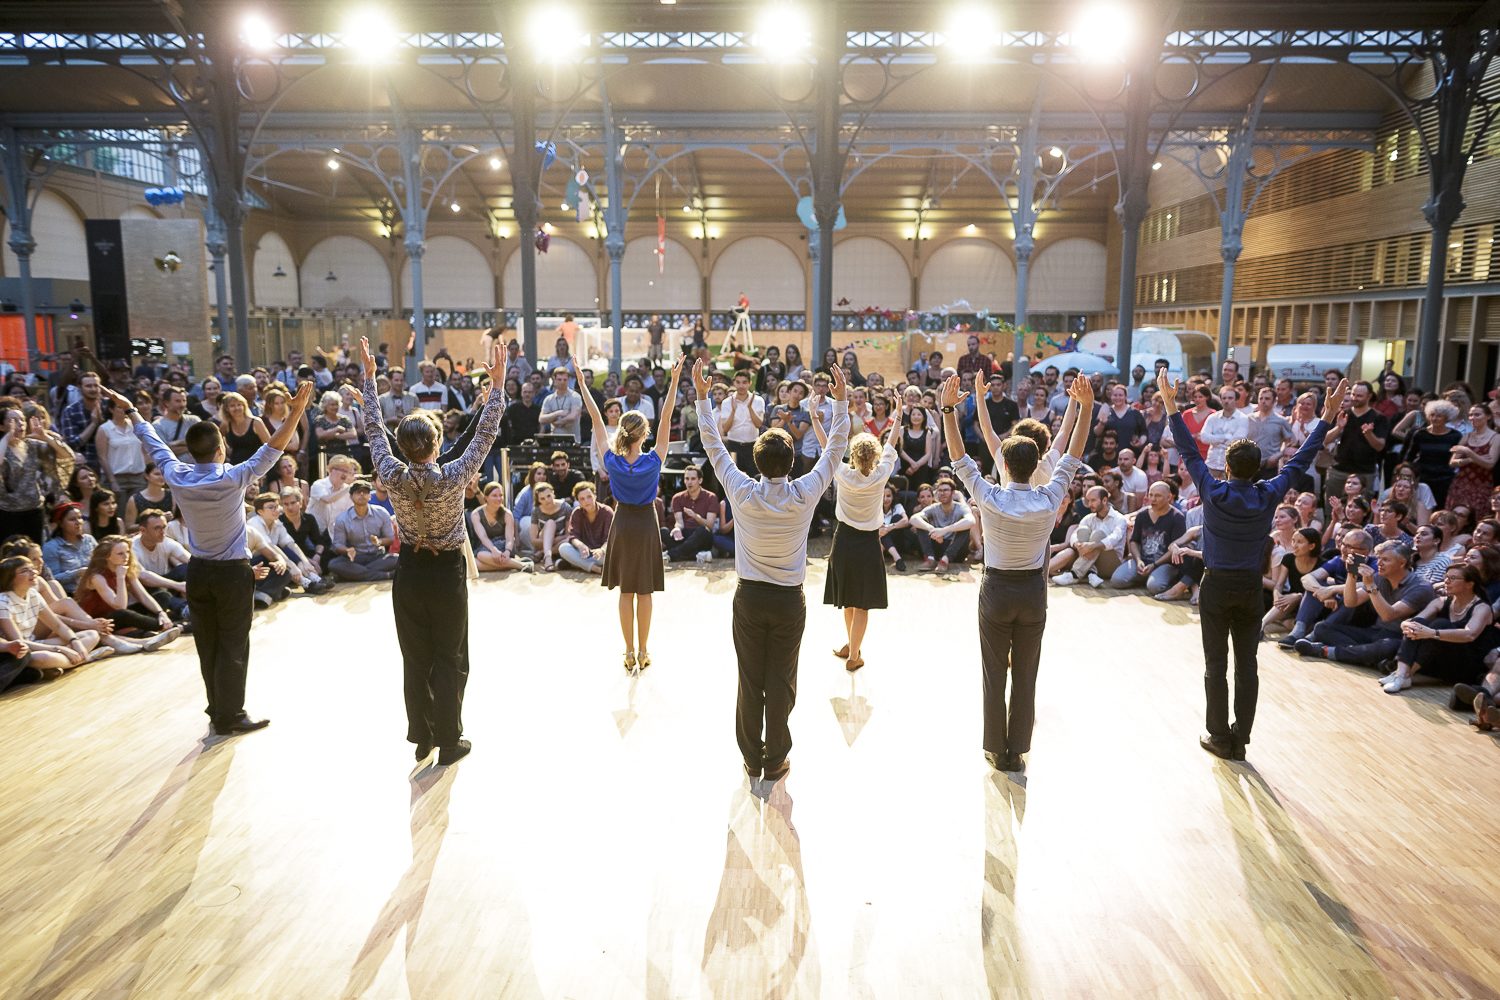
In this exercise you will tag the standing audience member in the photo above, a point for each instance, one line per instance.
(1223, 427)
(23, 476)
(1271, 432)
(1359, 436)
(739, 421)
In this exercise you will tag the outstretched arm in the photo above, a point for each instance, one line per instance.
(668, 406)
(601, 442)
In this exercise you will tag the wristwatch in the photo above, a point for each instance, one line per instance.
(948, 409)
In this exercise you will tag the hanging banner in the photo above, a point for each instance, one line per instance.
(581, 181)
(661, 246)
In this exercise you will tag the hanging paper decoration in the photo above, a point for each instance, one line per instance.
(661, 246)
(581, 194)
(548, 151)
(570, 196)
(542, 240)
(163, 196)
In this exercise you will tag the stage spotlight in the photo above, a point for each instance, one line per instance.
(256, 33)
(554, 32)
(783, 31)
(972, 32)
(1103, 33)
(370, 36)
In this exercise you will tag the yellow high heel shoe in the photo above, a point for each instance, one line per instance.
(645, 659)
(630, 665)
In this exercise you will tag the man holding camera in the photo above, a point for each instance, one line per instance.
(1237, 517)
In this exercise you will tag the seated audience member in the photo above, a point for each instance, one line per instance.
(588, 530)
(1388, 529)
(495, 532)
(1186, 568)
(1107, 454)
(1132, 479)
(26, 619)
(1446, 524)
(1323, 589)
(893, 527)
(1431, 564)
(1349, 515)
(1287, 574)
(1486, 532)
(1444, 639)
(1486, 559)
(548, 524)
(1416, 495)
(1114, 486)
(361, 538)
(155, 496)
(724, 533)
(104, 519)
(563, 477)
(1152, 532)
(1395, 594)
(284, 477)
(329, 496)
(67, 552)
(270, 538)
(163, 563)
(525, 503)
(311, 540)
(1098, 546)
(943, 527)
(695, 513)
(61, 603)
(1307, 512)
(110, 587)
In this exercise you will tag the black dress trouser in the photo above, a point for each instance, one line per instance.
(430, 597)
(768, 624)
(221, 600)
(1230, 609)
(1012, 617)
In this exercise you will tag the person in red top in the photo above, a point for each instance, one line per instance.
(695, 514)
(974, 362)
(1199, 414)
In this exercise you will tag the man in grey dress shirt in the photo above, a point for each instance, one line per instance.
(771, 518)
(1017, 523)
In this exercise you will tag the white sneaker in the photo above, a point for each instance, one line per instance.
(1064, 579)
(704, 557)
(1397, 684)
(1383, 681)
(161, 639)
(666, 558)
(1094, 580)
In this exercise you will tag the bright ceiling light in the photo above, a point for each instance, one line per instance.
(687, 206)
(333, 164)
(454, 206)
(1103, 32)
(370, 35)
(972, 33)
(257, 33)
(1056, 151)
(1156, 165)
(554, 32)
(494, 163)
(783, 31)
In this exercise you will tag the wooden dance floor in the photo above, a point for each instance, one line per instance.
(601, 841)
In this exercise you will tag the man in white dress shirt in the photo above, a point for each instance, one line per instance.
(1017, 521)
(771, 517)
(739, 421)
(1229, 424)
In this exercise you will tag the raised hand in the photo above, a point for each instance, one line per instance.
(302, 399)
(1083, 391)
(840, 384)
(1336, 397)
(1167, 392)
(700, 379)
(367, 358)
(951, 394)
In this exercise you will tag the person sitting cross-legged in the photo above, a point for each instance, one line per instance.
(1395, 594)
(25, 618)
(362, 536)
(1444, 638)
(110, 588)
(1152, 532)
(494, 531)
(269, 537)
(588, 530)
(695, 512)
(1098, 546)
(945, 524)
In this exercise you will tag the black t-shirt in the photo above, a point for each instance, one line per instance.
(1126, 428)
(656, 330)
(1353, 453)
(1154, 536)
(1294, 575)
(1003, 414)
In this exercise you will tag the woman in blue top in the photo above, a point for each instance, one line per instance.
(632, 556)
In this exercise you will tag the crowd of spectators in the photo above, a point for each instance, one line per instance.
(1386, 553)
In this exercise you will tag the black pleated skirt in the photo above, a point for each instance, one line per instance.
(632, 556)
(856, 570)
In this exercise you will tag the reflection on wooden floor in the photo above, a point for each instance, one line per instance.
(602, 841)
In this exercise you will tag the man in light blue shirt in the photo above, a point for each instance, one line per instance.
(361, 538)
(220, 581)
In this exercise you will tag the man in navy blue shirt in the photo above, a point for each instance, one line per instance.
(1236, 522)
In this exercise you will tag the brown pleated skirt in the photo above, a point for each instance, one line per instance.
(632, 556)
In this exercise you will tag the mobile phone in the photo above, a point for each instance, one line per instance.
(1354, 561)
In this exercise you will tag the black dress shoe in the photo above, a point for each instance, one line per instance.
(424, 750)
(1014, 763)
(775, 774)
(1462, 699)
(454, 754)
(244, 724)
(1222, 748)
(753, 773)
(996, 760)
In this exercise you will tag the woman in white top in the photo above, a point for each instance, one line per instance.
(25, 618)
(856, 567)
(121, 457)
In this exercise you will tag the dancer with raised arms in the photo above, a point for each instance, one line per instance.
(220, 580)
(430, 592)
(632, 555)
(1237, 515)
(771, 517)
(1017, 520)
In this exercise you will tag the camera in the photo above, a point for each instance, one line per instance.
(1354, 561)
